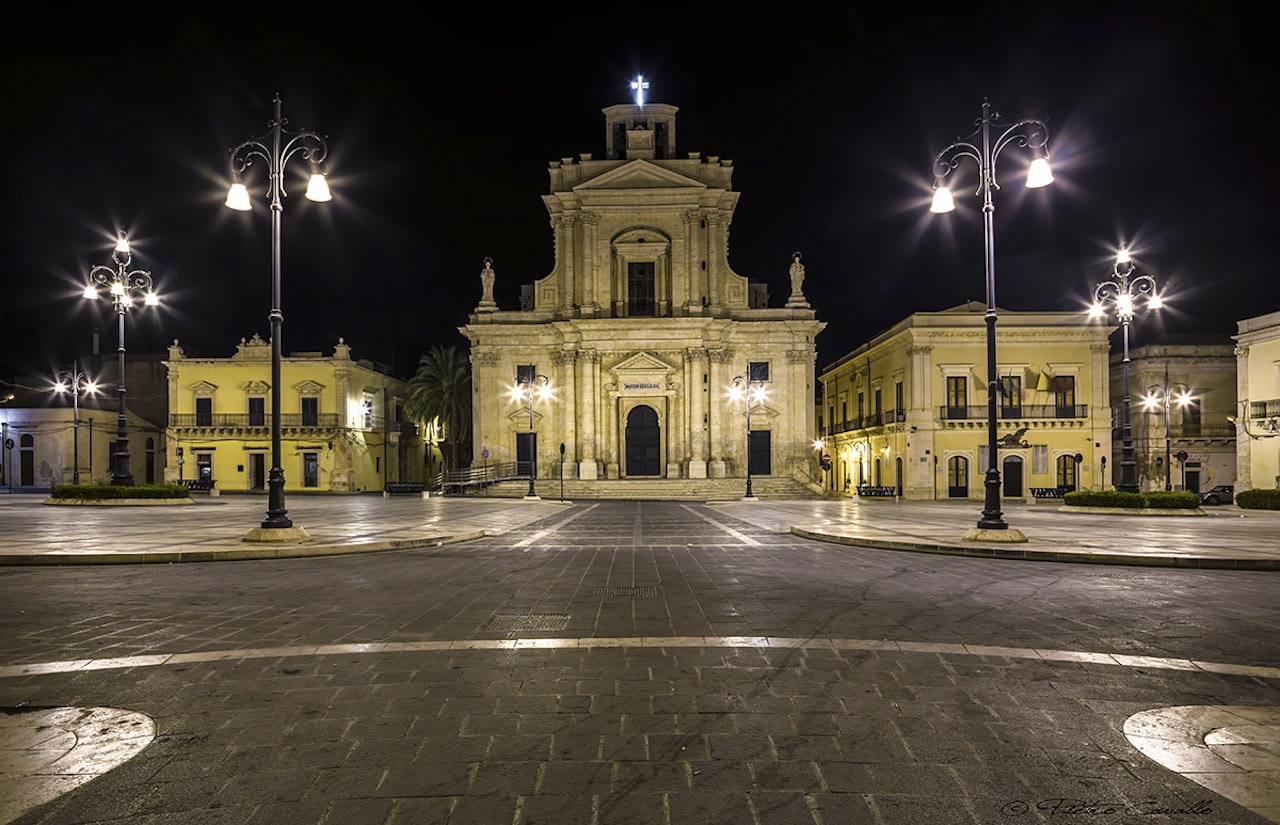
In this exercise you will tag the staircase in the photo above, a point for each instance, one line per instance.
(774, 488)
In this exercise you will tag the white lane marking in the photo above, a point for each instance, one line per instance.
(538, 535)
(827, 643)
(739, 536)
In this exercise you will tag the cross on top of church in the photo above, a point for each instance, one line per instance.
(639, 85)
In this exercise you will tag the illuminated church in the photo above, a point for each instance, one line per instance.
(634, 351)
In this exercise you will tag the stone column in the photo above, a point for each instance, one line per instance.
(568, 398)
(696, 391)
(588, 369)
(717, 359)
(587, 286)
(566, 249)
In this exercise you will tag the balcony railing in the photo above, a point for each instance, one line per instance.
(1264, 409)
(245, 421)
(1024, 411)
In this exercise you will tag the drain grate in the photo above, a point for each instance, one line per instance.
(527, 621)
(647, 591)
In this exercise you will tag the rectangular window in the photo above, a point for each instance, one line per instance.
(1064, 395)
(957, 397)
(898, 405)
(758, 371)
(257, 412)
(204, 412)
(525, 373)
(367, 408)
(310, 411)
(877, 411)
(1011, 396)
(861, 406)
(1191, 419)
(641, 290)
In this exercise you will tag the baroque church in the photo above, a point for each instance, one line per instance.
(628, 360)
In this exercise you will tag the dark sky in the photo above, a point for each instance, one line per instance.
(441, 124)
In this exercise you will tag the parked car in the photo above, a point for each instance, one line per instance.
(1222, 494)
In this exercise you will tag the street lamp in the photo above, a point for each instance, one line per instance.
(75, 382)
(1161, 395)
(121, 284)
(526, 388)
(1121, 291)
(1034, 135)
(275, 148)
(753, 391)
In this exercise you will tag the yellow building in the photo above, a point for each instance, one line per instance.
(342, 424)
(907, 411)
(1258, 394)
(640, 330)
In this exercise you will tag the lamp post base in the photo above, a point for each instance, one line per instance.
(1009, 535)
(277, 535)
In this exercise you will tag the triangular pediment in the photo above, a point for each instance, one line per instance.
(308, 387)
(643, 363)
(204, 388)
(640, 174)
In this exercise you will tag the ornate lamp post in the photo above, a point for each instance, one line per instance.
(121, 285)
(753, 392)
(526, 389)
(1161, 395)
(75, 382)
(275, 149)
(984, 149)
(1122, 290)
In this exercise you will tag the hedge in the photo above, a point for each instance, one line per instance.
(1154, 500)
(1258, 499)
(99, 492)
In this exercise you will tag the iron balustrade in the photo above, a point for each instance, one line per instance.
(1025, 411)
(326, 421)
(1269, 408)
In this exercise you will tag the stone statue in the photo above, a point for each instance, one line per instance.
(487, 276)
(796, 300)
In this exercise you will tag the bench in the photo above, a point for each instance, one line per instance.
(400, 488)
(1047, 492)
(198, 485)
(881, 492)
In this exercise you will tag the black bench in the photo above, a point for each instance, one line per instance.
(405, 488)
(1048, 492)
(872, 490)
(199, 485)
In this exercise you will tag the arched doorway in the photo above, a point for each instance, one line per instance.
(897, 472)
(1011, 471)
(644, 443)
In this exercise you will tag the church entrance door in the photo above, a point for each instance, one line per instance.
(644, 453)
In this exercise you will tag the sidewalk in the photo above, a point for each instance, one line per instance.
(214, 529)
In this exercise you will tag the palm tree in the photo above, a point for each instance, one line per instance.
(441, 389)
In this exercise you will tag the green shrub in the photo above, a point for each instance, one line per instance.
(1103, 498)
(101, 492)
(1155, 500)
(1258, 499)
(1170, 500)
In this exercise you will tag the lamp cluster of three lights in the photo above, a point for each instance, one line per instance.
(121, 284)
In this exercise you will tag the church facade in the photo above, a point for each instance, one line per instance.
(634, 351)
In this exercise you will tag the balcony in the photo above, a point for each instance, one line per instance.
(243, 422)
(1264, 409)
(1023, 412)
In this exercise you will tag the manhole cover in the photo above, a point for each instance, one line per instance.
(527, 621)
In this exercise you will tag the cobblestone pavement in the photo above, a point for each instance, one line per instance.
(631, 662)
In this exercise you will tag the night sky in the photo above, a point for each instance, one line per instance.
(441, 125)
